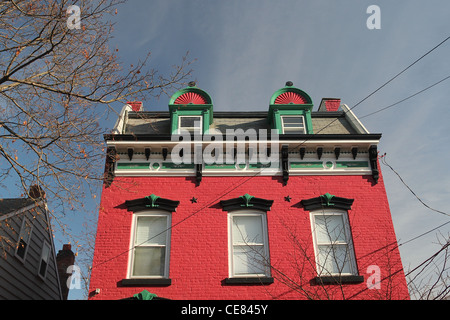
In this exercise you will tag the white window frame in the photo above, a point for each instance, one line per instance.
(293, 116)
(44, 258)
(24, 234)
(191, 129)
(134, 245)
(348, 243)
(265, 243)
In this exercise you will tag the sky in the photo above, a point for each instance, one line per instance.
(246, 50)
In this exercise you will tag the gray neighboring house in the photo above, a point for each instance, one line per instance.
(28, 262)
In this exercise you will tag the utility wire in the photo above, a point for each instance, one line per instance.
(409, 97)
(392, 79)
(375, 91)
(383, 160)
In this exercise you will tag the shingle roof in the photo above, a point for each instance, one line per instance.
(159, 122)
(14, 204)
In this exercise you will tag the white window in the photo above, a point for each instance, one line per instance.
(24, 239)
(248, 244)
(149, 256)
(293, 124)
(190, 123)
(332, 242)
(45, 256)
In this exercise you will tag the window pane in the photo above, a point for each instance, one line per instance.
(291, 121)
(149, 261)
(249, 260)
(43, 268)
(334, 259)
(190, 122)
(44, 259)
(25, 233)
(293, 125)
(150, 231)
(247, 230)
(329, 228)
(21, 248)
(294, 130)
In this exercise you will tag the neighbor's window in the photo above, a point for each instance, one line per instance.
(190, 123)
(293, 124)
(45, 256)
(24, 239)
(248, 244)
(333, 244)
(150, 246)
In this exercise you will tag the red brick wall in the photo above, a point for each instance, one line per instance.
(199, 248)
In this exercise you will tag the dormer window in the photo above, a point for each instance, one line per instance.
(293, 124)
(191, 109)
(290, 111)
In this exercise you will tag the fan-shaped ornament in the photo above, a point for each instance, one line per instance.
(190, 98)
(290, 98)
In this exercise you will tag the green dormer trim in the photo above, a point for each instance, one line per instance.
(290, 102)
(191, 102)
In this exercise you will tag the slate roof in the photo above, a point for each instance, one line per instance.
(14, 204)
(159, 122)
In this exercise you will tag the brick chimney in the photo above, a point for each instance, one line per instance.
(136, 105)
(329, 104)
(64, 259)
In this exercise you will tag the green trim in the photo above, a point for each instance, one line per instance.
(170, 165)
(144, 295)
(204, 110)
(327, 197)
(133, 165)
(307, 164)
(153, 199)
(352, 164)
(201, 92)
(220, 166)
(290, 89)
(259, 165)
(247, 198)
(278, 110)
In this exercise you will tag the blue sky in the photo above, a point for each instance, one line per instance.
(246, 49)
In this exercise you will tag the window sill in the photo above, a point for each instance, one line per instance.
(249, 280)
(146, 282)
(330, 280)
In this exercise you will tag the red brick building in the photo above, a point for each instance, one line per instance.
(286, 203)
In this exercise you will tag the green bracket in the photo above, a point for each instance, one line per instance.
(247, 198)
(153, 199)
(327, 197)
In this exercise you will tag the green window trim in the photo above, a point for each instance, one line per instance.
(203, 110)
(276, 111)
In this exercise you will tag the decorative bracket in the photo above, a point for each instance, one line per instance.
(151, 202)
(285, 163)
(198, 173)
(153, 199)
(373, 159)
(327, 201)
(246, 201)
(110, 162)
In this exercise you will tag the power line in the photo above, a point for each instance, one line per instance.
(409, 97)
(392, 79)
(215, 200)
(401, 72)
(383, 160)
